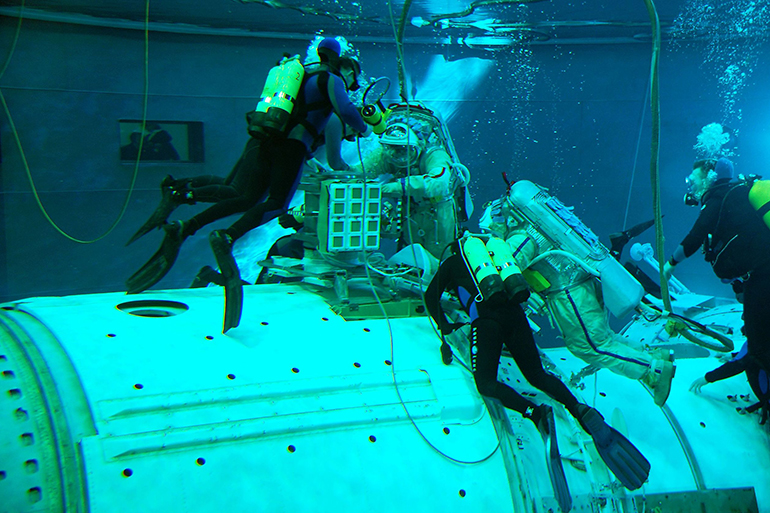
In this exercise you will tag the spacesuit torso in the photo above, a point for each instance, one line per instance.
(558, 271)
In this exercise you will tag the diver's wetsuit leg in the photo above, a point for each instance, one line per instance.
(756, 316)
(211, 189)
(521, 344)
(486, 345)
(250, 178)
(285, 159)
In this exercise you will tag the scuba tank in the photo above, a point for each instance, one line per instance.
(514, 283)
(483, 270)
(759, 197)
(555, 221)
(278, 98)
(374, 117)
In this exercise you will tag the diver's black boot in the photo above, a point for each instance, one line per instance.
(173, 193)
(206, 275)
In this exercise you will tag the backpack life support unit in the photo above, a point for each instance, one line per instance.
(550, 217)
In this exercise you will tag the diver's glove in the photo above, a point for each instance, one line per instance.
(289, 221)
(446, 353)
(449, 328)
(698, 384)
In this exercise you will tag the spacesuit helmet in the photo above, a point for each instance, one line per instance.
(401, 145)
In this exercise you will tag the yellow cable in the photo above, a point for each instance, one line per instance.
(23, 155)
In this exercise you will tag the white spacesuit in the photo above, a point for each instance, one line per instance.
(577, 278)
(412, 163)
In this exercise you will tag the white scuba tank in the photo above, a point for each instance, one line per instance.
(550, 217)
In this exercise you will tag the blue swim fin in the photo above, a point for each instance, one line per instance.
(547, 427)
(621, 456)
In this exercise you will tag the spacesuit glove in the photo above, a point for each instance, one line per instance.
(668, 270)
(698, 384)
(446, 353)
(392, 188)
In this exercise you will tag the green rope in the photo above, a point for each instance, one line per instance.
(24, 157)
(655, 149)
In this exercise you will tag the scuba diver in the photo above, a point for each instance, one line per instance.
(490, 288)
(412, 163)
(758, 380)
(733, 228)
(544, 237)
(284, 134)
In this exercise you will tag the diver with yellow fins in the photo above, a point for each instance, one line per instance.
(484, 278)
(733, 228)
(286, 128)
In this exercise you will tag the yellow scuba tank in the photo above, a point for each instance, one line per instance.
(374, 117)
(759, 197)
(278, 98)
(514, 283)
(482, 268)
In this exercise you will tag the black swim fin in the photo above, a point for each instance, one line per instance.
(170, 199)
(222, 246)
(547, 427)
(160, 263)
(621, 456)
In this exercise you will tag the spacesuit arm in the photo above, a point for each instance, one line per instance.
(434, 180)
(523, 249)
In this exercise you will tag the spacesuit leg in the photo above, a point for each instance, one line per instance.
(584, 325)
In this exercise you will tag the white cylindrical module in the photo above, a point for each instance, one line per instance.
(138, 403)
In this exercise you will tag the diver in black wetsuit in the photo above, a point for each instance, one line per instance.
(265, 177)
(736, 243)
(498, 319)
